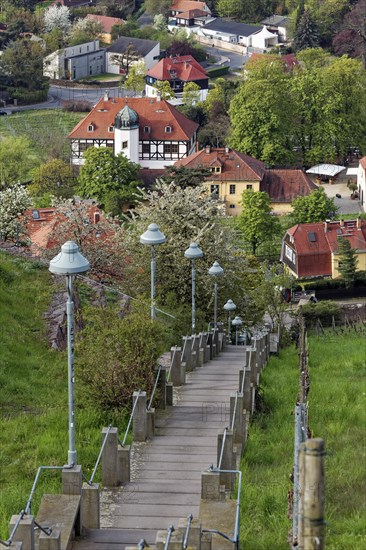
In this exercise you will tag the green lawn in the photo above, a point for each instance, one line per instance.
(33, 393)
(47, 129)
(337, 413)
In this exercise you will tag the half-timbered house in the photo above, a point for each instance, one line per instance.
(149, 131)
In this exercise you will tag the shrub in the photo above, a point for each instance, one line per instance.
(217, 71)
(25, 97)
(77, 106)
(116, 356)
(324, 311)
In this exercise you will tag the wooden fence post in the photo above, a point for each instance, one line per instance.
(314, 495)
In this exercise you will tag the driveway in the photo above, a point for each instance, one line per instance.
(343, 201)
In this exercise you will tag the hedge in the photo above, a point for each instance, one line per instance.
(217, 71)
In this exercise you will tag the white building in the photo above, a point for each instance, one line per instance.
(125, 51)
(75, 62)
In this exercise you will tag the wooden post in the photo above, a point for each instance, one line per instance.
(314, 495)
(300, 510)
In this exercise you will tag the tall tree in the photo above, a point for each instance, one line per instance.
(347, 261)
(112, 180)
(135, 80)
(57, 17)
(261, 113)
(315, 207)
(256, 221)
(306, 33)
(154, 7)
(54, 178)
(22, 62)
(16, 160)
(185, 177)
(13, 202)
(351, 39)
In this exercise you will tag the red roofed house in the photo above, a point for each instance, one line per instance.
(178, 71)
(181, 6)
(311, 249)
(149, 132)
(107, 24)
(361, 182)
(234, 172)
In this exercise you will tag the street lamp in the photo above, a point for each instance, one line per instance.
(152, 237)
(237, 322)
(229, 307)
(215, 270)
(193, 253)
(70, 262)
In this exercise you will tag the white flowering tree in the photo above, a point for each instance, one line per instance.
(185, 216)
(57, 17)
(13, 202)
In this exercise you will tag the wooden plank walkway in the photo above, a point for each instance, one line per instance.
(166, 471)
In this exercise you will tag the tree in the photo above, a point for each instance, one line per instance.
(125, 59)
(13, 202)
(261, 113)
(112, 180)
(22, 62)
(186, 215)
(101, 242)
(164, 89)
(160, 22)
(307, 33)
(185, 177)
(135, 80)
(315, 207)
(85, 30)
(57, 17)
(154, 7)
(215, 132)
(54, 177)
(351, 39)
(256, 220)
(347, 262)
(117, 8)
(16, 160)
(191, 94)
(116, 355)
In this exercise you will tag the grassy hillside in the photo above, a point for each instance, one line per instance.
(337, 413)
(47, 129)
(33, 393)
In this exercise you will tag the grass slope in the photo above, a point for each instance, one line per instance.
(33, 393)
(337, 413)
(47, 129)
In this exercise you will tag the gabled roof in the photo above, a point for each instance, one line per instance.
(107, 22)
(235, 166)
(185, 5)
(289, 60)
(141, 46)
(152, 113)
(231, 27)
(276, 21)
(286, 185)
(186, 67)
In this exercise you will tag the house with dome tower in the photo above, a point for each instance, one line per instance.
(148, 131)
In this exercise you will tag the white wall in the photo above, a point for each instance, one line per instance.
(361, 182)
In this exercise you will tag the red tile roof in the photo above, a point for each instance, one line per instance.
(286, 185)
(152, 113)
(185, 5)
(192, 14)
(107, 22)
(289, 60)
(315, 243)
(235, 166)
(186, 67)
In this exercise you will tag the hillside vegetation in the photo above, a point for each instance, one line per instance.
(337, 413)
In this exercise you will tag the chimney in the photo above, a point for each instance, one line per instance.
(158, 96)
(227, 149)
(208, 149)
(96, 217)
(106, 95)
(358, 223)
(326, 226)
(341, 223)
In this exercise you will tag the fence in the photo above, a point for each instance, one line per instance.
(307, 502)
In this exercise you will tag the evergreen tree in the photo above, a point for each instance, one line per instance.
(307, 33)
(347, 261)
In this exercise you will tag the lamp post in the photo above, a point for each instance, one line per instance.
(229, 307)
(152, 237)
(215, 270)
(237, 322)
(193, 253)
(70, 262)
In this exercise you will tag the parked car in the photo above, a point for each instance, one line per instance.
(2, 113)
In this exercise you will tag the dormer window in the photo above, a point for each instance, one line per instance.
(110, 128)
(147, 129)
(91, 128)
(173, 73)
(168, 129)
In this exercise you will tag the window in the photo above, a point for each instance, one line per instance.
(147, 129)
(170, 148)
(232, 189)
(124, 144)
(35, 214)
(91, 128)
(249, 186)
(146, 148)
(289, 253)
(110, 128)
(83, 145)
(232, 206)
(214, 190)
(168, 129)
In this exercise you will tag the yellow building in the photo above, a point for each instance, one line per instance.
(234, 172)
